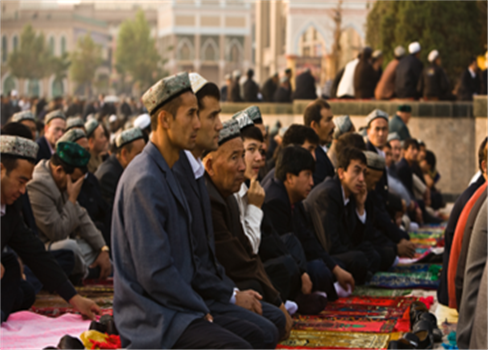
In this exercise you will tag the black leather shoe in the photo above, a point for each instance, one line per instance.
(416, 309)
(69, 342)
(423, 330)
(407, 341)
(427, 316)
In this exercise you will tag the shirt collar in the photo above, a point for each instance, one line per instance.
(325, 148)
(380, 152)
(50, 147)
(196, 165)
(243, 190)
(3, 209)
(472, 72)
(346, 200)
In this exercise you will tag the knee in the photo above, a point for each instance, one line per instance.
(278, 320)
(29, 295)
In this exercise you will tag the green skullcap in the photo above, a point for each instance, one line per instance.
(165, 90)
(127, 136)
(404, 108)
(72, 154)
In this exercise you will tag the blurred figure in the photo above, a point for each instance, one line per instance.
(408, 73)
(224, 91)
(235, 90)
(346, 85)
(269, 88)
(398, 123)
(365, 76)
(434, 84)
(14, 102)
(251, 89)
(283, 93)
(6, 109)
(305, 87)
(377, 62)
(470, 82)
(125, 108)
(74, 108)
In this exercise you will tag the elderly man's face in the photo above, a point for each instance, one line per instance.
(378, 132)
(54, 130)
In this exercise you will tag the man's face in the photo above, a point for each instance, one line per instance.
(388, 156)
(372, 177)
(183, 128)
(54, 130)
(32, 127)
(83, 142)
(137, 147)
(98, 142)
(424, 166)
(300, 185)
(228, 166)
(411, 154)
(252, 157)
(405, 116)
(208, 134)
(13, 184)
(378, 132)
(396, 150)
(325, 128)
(353, 178)
(310, 147)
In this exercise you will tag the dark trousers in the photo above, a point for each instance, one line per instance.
(256, 286)
(322, 278)
(284, 274)
(269, 327)
(17, 294)
(356, 263)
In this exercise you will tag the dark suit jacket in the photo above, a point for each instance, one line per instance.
(31, 250)
(91, 199)
(340, 221)
(442, 294)
(407, 75)
(405, 174)
(305, 87)
(286, 220)
(469, 86)
(251, 90)
(108, 175)
(44, 150)
(210, 280)
(323, 166)
(232, 246)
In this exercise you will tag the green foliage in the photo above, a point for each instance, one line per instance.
(85, 60)
(454, 28)
(136, 52)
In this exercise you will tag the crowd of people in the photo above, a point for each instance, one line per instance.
(215, 232)
(404, 77)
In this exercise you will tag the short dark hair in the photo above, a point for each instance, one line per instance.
(171, 107)
(482, 152)
(293, 159)
(127, 146)
(312, 112)
(17, 129)
(349, 154)
(252, 132)
(430, 158)
(387, 145)
(298, 134)
(349, 140)
(209, 89)
(68, 169)
(410, 142)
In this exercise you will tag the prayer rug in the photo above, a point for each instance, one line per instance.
(365, 326)
(379, 292)
(416, 276)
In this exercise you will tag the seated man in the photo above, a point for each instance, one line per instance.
(128, 144)
(62, 222)
(97, 143)
(284, 194)
(17, 164)
(343, 125)
(427, 163)
(340, 202)
(210, 281)
(155, 305)
(54, 128)
(224, 175)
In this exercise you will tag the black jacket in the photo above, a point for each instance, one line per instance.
(251, 90)
(405, 174)
(323, 166)
(44, 150)
(382, 185)
(469, 86)
(31, 250)
(434, 83)
(282, 95)
(407, 76)
(305, 87)
(234, 95)
(108, 175)
(365, 80)
(269, 89)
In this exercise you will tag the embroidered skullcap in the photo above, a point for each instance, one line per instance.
(342, 125)
(374, 160)
(404, 108)
(197, 82)
(53, 115)
(24, 115)
(74, 122)
(377, 113)
(165, 90)
(18, 146)
(72, 154)
(128, 136)
(90, 126)
(255, 114)
(393, 136)
(72, 135)
(244, 121)
(230, 131)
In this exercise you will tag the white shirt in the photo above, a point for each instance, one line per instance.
(325, 148)
(196, 165)
(251, 217)
(346, 85)
(380, 152)
(472, 72)
(3, 209)
(346, 201)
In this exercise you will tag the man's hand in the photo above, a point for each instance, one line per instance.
(418, 216)
(289, 322)
(85, 306)
(406, 248)
(103, 261)
(3, 271)
(249, 300)
(306, 284)
(344, 278)
(208, 318)
(255, 194)
(73, 189)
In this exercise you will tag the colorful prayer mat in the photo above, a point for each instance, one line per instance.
(379, 292)
(364, 326)
(423, 276)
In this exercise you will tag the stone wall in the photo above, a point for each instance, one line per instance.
(452, 130)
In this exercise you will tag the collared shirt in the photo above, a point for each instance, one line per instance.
(380, 152)
(472, 72)
(325, 148)
(3, 209)
(50, 147)
(196, 165)
(346, 201)
(251, 217)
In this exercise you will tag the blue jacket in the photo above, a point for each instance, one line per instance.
(153, 300)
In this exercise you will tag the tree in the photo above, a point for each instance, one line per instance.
(85, 60)
(454, 28)
(136, 52)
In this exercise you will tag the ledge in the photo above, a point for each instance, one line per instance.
(480, 106)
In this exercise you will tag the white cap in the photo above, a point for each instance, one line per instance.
(433, 55)
(14, 93)
(142, 121)
(112, 118)
(197, 82)
(399, 51)
(414, 47)
(236, 73)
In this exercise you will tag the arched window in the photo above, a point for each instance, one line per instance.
(15, 42)
(51, 45)
(234, 51)
(8, 85)
(4, 48)
(234, 54)
(185, 50)
(57, 88)
(210, 51)
(63, 45)
(33, 88)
